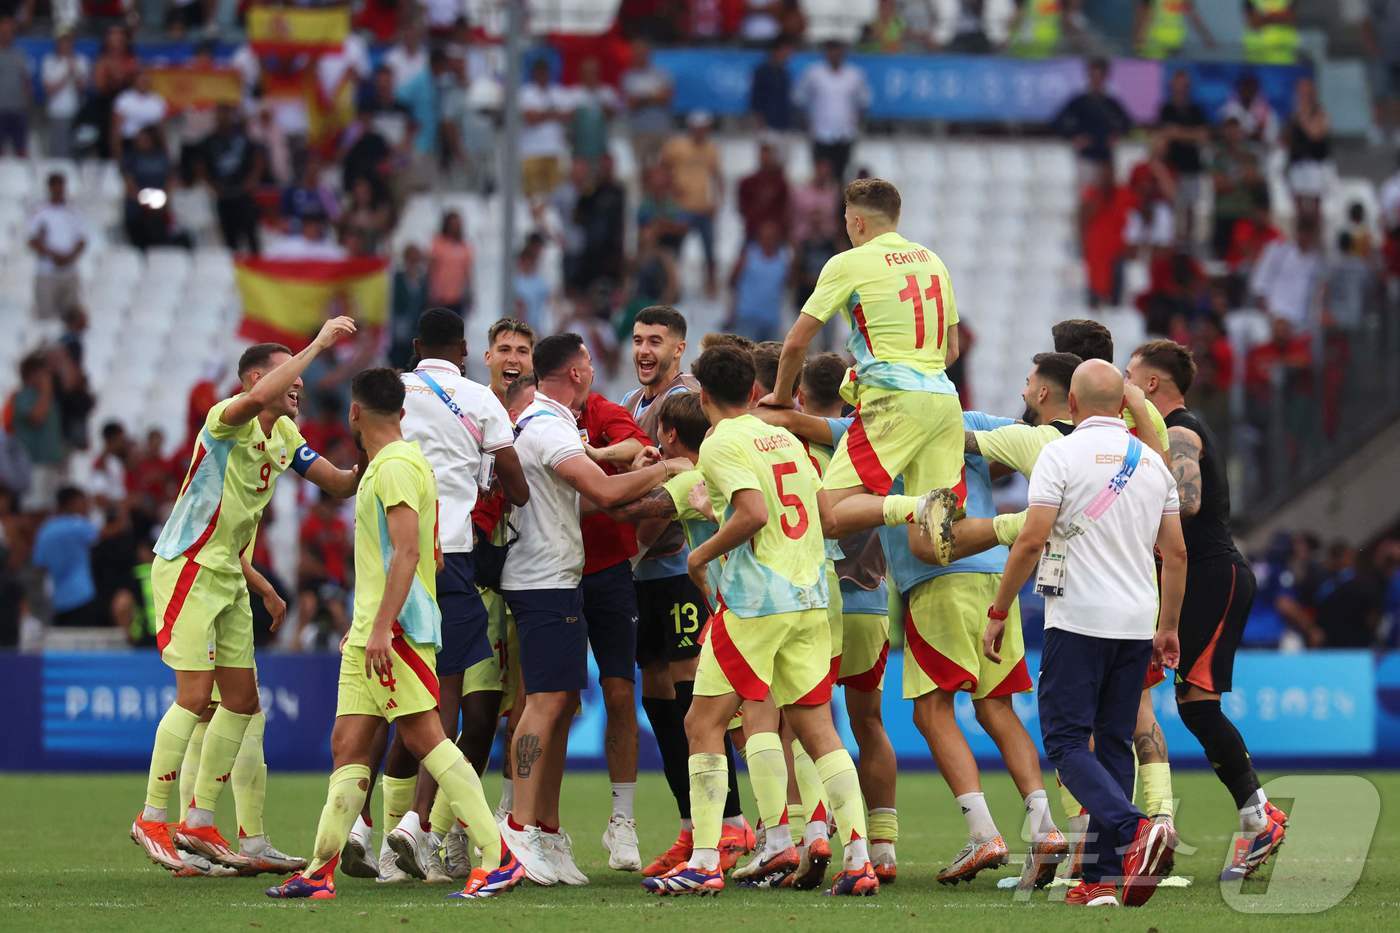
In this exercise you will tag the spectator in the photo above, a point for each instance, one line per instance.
(654, 280)
(1037, 29)
(419, 95)
(156, 476)
(770, 93)
(1215, 377)
(109, 468)
(75, 325)
(1295, 586)
(65, 75)
(764, 194)
(410, 299)
(816, 207)
(368, 218)
(1309, 146)
(760, 278)
(1238, 184)
(887, 32)
(469, 131)
(1349, 603)
(322, 576)
(1103, 219)
(659, 209)
(1270, 32)
(310, 242)
(233, 165)
(135, 109)
(114, 71)
(15, 91)
(75, 401)
(648, 91)
(1182, 125)
(1286, 280)
(564, 226)
(959, 27)
(1151, 227)
(834, 95)
(544, 106)
(595, 105)
(1362, 242)
(407, 60)
(693, 160)
(149, 176)
(1279, 374)
(450, 266)
(1353, 288)
(762, 22)
(1250, 237)
(63, 549)
(57, 236)
(193, 125)
(309, 195)
(1253, 111)
(267, 132)
(38, 427)
(1159, 27)
(602, 217)
(1380, 37)
(368, 155)
(395, 124)
(532, 291)
(1093, 121)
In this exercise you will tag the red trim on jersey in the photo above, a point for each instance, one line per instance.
(731, 661)
(960, 490)
(415, 663)
(943, 671)
(208, 532)
(858, 315)
(1017, 680)
(199, 451)
(869, 681)
(1201, 674)
(872, 473)
(177, 601)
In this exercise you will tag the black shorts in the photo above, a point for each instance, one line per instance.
(670, 614)
(1214, 610)
(610, 605)
(465, 639)
(553, 637)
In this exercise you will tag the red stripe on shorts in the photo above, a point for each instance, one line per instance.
(821, 693)
(416, 664)
(1201, 673)
(869, 681)
(872, 473)
(731, 661)
(940, 669)
(1017, 680)
(177, 601)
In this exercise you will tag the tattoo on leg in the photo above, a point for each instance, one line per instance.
(527, 752)
(1151, 745)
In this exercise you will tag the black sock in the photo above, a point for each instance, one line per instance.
(685, 692)
(1224, 747)
(732, 806)
(662, 716)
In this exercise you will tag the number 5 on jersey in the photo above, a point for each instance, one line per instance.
(794, 530)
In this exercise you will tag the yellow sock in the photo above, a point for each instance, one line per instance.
(189, 769)
(249, 778)
(459, 782)
(883, 824)
(842, 784)
(809, 784)
(768, 775)
(1067, 800)
(1156, 789)
(222, 740)
(344, 799)
(1008, 527)
(172, 737)
(900, 510)
(709, 785)
(398, 799)
(440, 817)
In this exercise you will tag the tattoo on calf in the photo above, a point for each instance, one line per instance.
(527, 752)
(1151, 745)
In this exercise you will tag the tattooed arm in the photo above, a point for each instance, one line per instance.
(1186, 468)
(970, 445)
(655, 504)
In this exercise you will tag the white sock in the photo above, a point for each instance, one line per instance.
(251, 843)
(979, 818)
(507, 796)
(1038, 819)
(411, 824)
(362, 831)
(816, 829)
(153, 814)
(622, 796)
(1253, 819)
(704, 859)
(197, 816)
(776, 839)
(882, 853)
(856, 854)
(687, 825)
(736, 821)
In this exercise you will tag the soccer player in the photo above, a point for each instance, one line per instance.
(387, 660)
(670, 608)
(540, 583)
(898, 299)
(1220, 588)
(770, 636)
(201, 580)
(466, 436)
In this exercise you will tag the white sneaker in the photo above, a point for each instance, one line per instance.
(411, 845)
(264, 858)
(620, 841)
(355, 858)
(389, 870)
(457, 855)
(530, 847)
(433, 869)
(561, 850)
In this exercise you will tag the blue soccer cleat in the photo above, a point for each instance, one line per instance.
(686, 880)
(318, 889)
(860, 882)
(482, 883)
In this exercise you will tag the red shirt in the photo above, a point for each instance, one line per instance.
(1106, 213)
(329, 541)
(607, 542)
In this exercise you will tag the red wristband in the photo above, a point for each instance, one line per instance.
(994, 615)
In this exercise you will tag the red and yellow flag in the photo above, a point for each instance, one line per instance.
(197, 88)
(285, 30)
(287, 300)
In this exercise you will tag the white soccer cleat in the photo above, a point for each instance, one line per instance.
(411, 845)
(355, 858)
(620, 841)
(263, 857)
(389, 870)
(530, 847)
(457, 854)
(561, 850)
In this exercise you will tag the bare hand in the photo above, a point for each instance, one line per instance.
(377, 659)
(276, 607)
(991, 639)
(343, 639)
(1133, 396)
(695, 569)
(645, 458)
(334, 330)
(771, 401)
(1166, 650)
(699, 500)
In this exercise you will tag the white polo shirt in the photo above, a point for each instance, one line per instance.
(60, 228)
(1110, 574)
(548, 549)
(453, 450)
(834, 100)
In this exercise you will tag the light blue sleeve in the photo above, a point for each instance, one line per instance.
(838, 427)
(981, 421)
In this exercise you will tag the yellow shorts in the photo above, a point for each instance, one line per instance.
(411, 686)
(835, 620)
(205, 617)
(865, 648)
(539, 175)
(943, 625)
(787, 655)
(916, 434)
(501, 671)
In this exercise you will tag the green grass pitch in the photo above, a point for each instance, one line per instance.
(69, 865)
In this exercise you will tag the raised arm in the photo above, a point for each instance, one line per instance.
(275, 384)
(611, 491)
(1185, 462)
(790, 361)
(808, 427)
(339, 483)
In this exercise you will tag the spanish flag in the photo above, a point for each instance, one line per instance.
(287, 30)
(197, 88)
(287, 300)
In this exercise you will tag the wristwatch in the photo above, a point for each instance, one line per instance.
(994, 615)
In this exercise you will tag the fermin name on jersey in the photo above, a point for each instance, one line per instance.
(900, 259)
